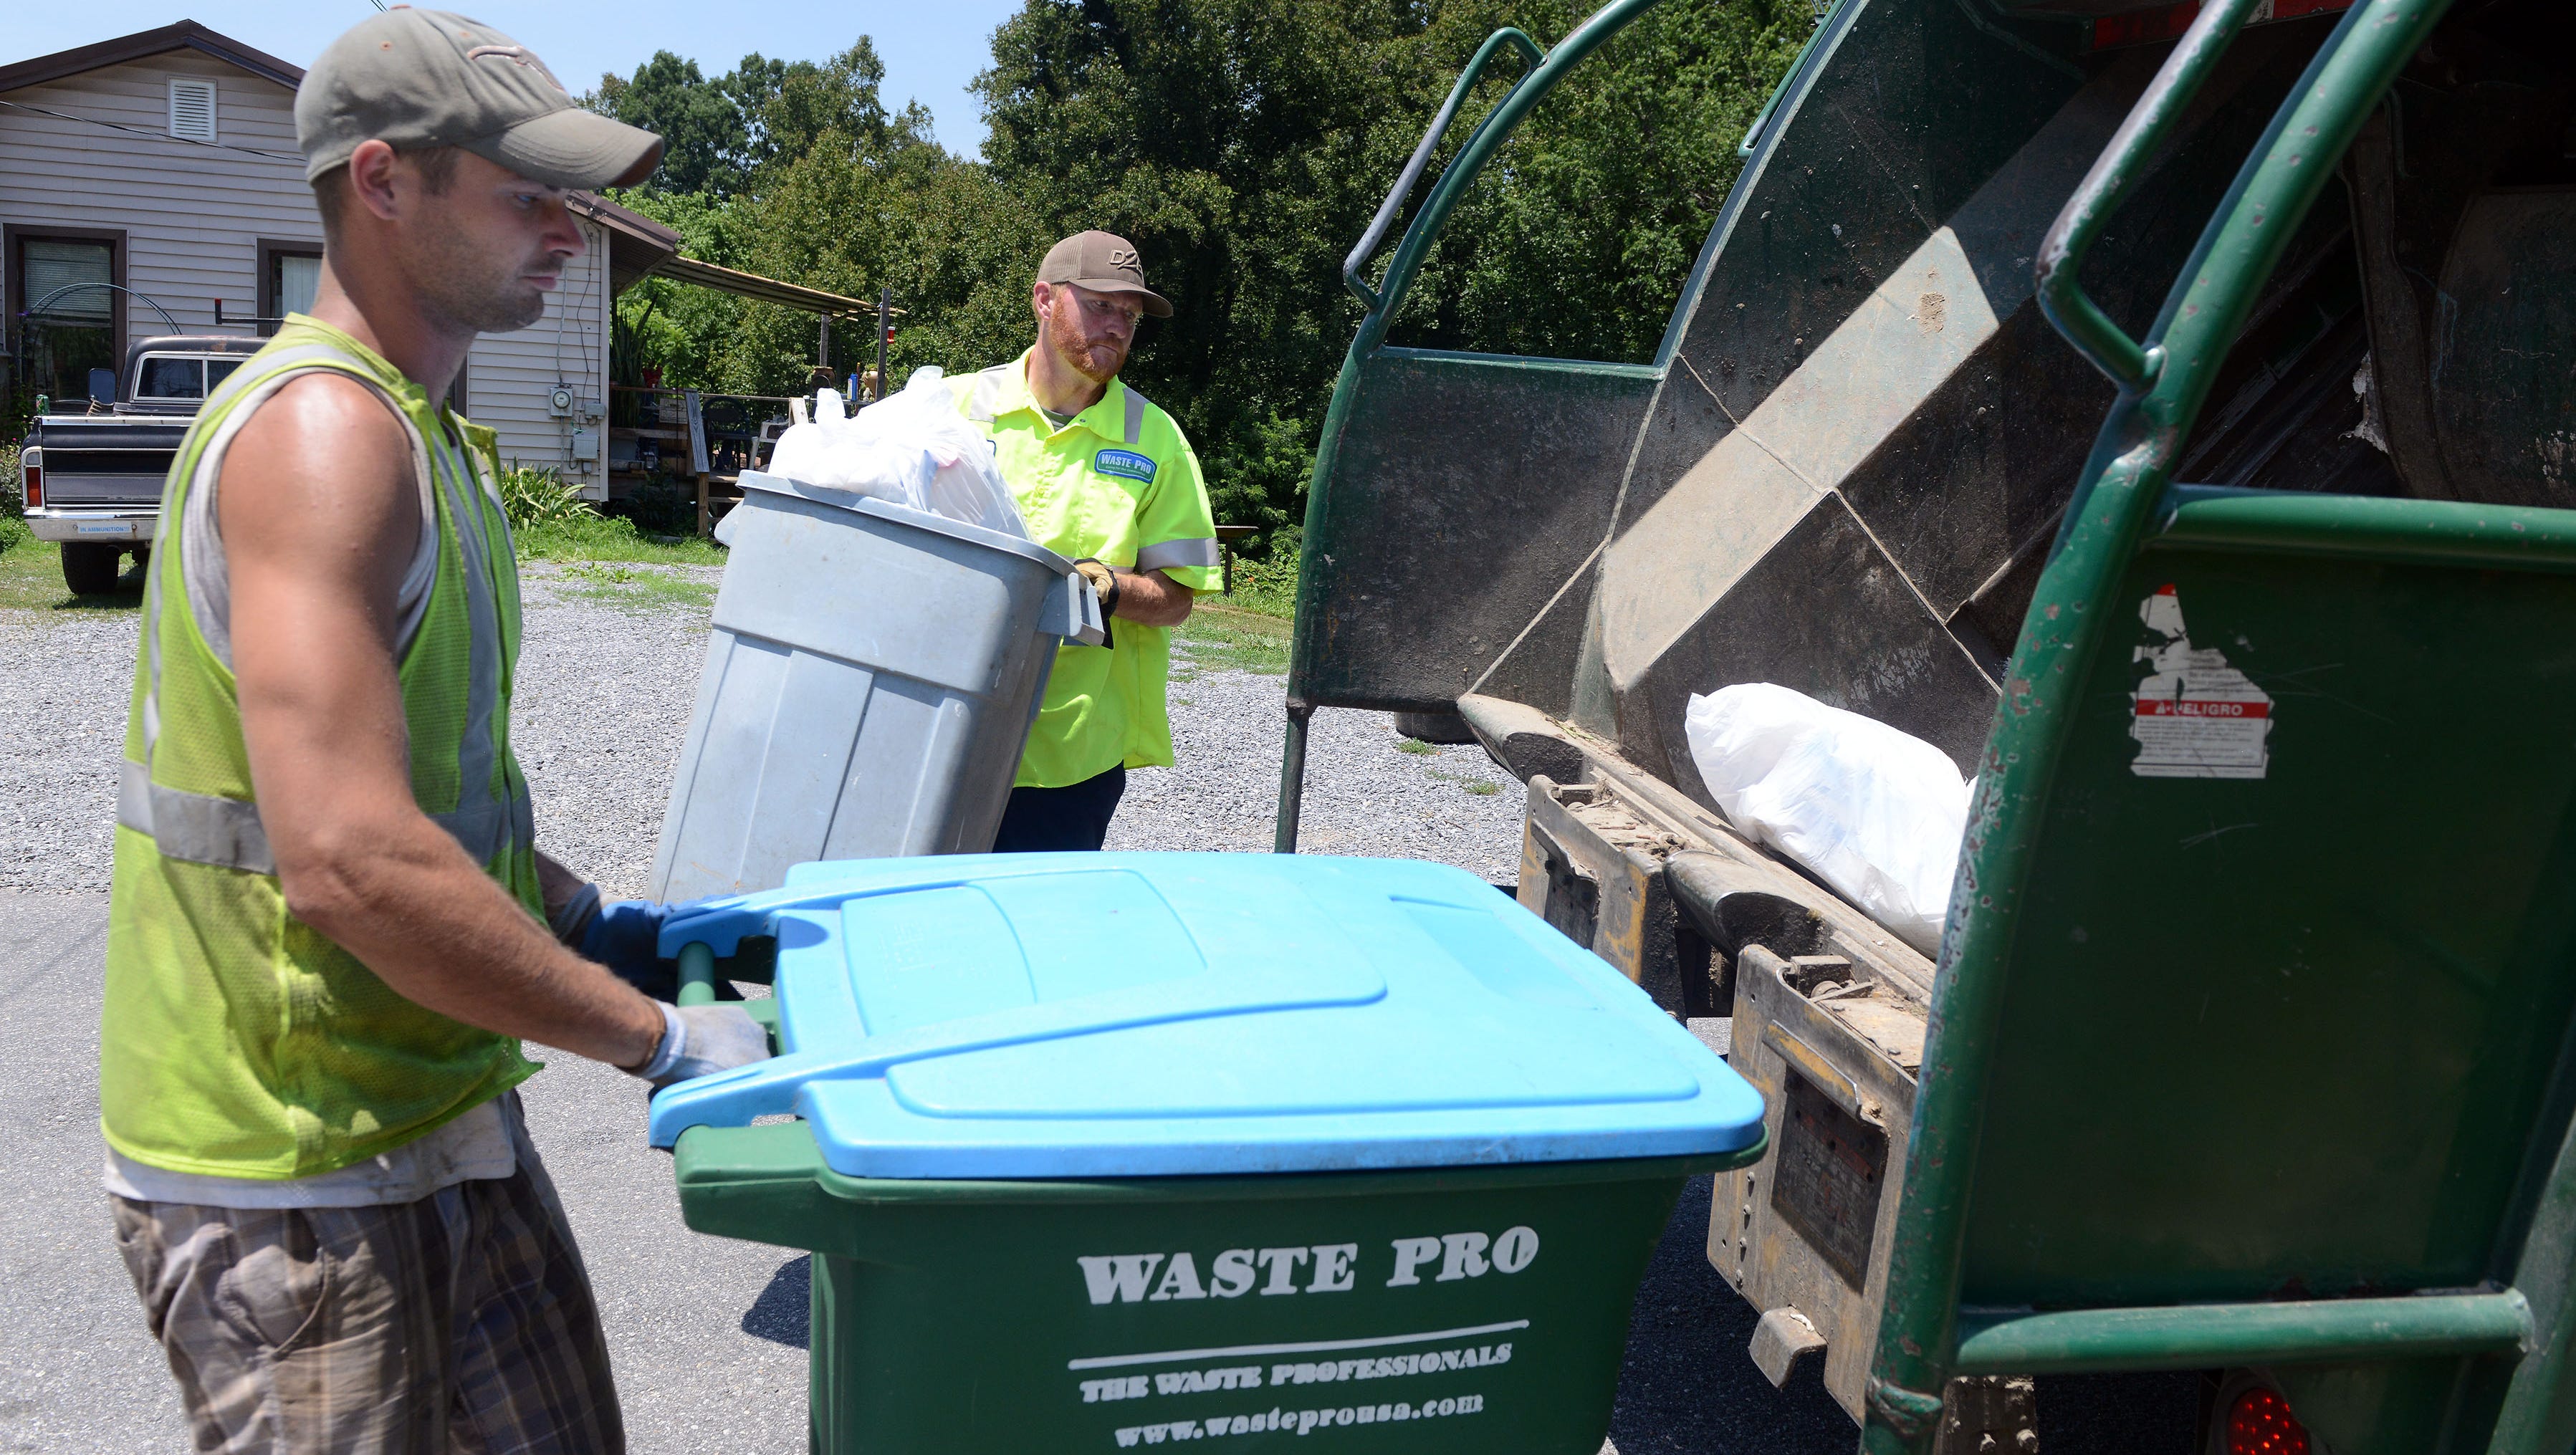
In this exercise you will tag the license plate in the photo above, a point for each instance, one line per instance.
(118, 528)
(1827, 1179)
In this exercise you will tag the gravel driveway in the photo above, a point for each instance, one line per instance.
(708, 1334)
(608, 668)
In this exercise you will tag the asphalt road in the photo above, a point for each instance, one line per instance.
(708, 1335)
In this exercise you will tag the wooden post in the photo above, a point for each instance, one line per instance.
(698, 457)
(885, 302)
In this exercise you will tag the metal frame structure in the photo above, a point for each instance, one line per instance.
(2125, 496)
(1540, 75)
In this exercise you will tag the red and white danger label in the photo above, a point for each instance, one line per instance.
(2194, 716)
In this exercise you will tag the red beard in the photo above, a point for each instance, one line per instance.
(1097, 360)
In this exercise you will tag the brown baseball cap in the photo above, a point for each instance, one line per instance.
(1103, 262)
(424, 78)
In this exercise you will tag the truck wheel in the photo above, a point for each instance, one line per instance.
(89, 568)
(1434, 727)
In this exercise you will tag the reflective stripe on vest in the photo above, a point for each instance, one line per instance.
(226, 832)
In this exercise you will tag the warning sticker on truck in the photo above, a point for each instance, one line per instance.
(2194, 716)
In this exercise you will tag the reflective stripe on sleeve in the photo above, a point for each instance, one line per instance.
(1166, 555)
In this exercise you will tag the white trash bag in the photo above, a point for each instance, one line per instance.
(1875, 813)
(911, 448)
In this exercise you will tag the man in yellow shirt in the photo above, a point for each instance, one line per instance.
(1106, 478)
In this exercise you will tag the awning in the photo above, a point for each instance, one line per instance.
(767, 290)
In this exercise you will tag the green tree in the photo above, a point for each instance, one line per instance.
(1577, 239)
(701, 124)
(1243, 145)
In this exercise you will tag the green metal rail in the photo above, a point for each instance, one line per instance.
(1541, 76)
(2327, 1331)
(2163, 384)
(697, 975)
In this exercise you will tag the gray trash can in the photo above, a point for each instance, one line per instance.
(869, 684)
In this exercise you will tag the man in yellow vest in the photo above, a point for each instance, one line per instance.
(1108, 479)
(330, 926)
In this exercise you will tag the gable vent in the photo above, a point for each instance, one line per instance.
(192, 110)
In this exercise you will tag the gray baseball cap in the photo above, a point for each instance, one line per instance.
(424, 78)
(1103, 262)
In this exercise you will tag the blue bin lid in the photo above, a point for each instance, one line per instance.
(1132, 1015)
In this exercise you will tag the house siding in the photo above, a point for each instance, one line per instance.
(193, 217)
(509, 375)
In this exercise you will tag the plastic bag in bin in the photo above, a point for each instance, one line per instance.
(912, 449)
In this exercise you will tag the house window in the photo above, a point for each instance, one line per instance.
(69, 317)
(290, 273)
(192, 109)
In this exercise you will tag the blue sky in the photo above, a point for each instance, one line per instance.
(931, 50)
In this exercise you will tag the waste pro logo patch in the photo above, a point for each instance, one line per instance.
(1126, 464)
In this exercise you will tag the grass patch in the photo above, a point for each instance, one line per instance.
(637, 588)
(592, 537)
(1221, 636)
(1417, 747)
(1480, 787)
(549, 521)
(31, 579)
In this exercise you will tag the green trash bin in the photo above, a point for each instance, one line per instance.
(1104, 1151)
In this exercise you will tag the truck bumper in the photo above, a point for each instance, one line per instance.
(104, 527)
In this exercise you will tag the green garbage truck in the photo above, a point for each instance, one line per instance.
(2166, 411)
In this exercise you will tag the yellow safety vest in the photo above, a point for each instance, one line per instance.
(239, 1041)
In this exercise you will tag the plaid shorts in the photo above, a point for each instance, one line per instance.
(461, 1322)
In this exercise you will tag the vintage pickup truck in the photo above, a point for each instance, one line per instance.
(93, 477)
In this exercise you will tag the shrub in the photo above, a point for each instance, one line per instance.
(1269, 587)
(539, 498)
(13, 501)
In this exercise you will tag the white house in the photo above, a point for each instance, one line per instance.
(164, 165)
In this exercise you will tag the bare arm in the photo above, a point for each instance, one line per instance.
(1153, 598)
(320, 513)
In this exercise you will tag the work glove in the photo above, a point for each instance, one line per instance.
(1104, 584)
(625, 937)
(701, 1040)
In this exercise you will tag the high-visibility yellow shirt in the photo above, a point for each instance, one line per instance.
(1119, 484)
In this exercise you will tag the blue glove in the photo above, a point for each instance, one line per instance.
(625, 937)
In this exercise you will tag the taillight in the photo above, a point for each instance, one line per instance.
(31, 473)
(2260, 1423)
